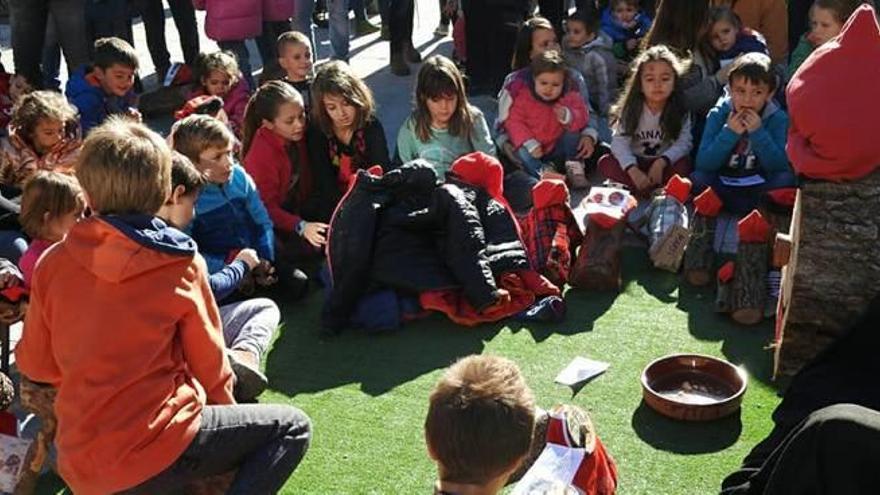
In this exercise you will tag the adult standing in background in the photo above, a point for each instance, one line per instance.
(768, 17)
(29, 19)
(340, 29)
(490, 30)
(403, 52)
(153, 14)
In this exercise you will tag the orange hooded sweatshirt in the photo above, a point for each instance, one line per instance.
(122, 322)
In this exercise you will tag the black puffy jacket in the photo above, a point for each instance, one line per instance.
(405, 232)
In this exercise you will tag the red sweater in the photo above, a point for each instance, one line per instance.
(268, 163)
(533, 119)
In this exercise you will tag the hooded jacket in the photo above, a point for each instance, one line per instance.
(230, 217)
(452, 243)
(769, 17)
(19, 161)
(724, 152)
(620, 34)
(94, 105)
(596, 63)
(122, 323)
(533, 122)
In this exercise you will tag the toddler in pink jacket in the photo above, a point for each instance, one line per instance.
(544, 124)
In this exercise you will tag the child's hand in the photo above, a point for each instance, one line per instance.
(537, 153)
(8, 277)
(250, 258)
(314, 233)
(632, 44)
(751, 120)
(640, 180)
(655, 173)
(735, 123)
(586, 147)
(264, 274)
(134, 114)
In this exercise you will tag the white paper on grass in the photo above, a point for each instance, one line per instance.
(580, 369)
(556, 466)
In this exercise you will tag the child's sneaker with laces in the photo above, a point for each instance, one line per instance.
(576, 174)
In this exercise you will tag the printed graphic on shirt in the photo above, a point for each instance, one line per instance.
(742, 170)
(650, 141)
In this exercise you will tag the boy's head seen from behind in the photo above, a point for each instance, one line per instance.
(752, 82)
(124, 168)
(208, 144)
(480, 420)
(114, 65)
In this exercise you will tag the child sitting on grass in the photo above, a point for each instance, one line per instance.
(43, 135)
(729, 38)
(443, 126)
(345, 134)
(140, 352)
(652, 130)
(229, 214)
(479, 427)
(626, 24)
(742, 153)
(51, 204)
(827, 18)
(545, 123)
(218, 75)
(248, 325)
(295, 58)
(105, 88)
(588, 50)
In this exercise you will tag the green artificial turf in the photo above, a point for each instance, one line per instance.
(367, 395)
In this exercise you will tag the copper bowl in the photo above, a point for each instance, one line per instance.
(693, 387)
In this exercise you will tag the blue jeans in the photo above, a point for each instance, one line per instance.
(565, 148)
(339, 25)
(240, 49)
(264, 441)
(741, 200)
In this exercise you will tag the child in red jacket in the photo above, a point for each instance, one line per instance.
(218, 75)
(274, 151)
(545, 123)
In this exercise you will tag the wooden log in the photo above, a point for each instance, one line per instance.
(749, 290)
(38, 399)
(832, 273)
(699, 257)
(597, 266)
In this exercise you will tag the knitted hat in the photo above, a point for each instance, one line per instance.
(832, 100)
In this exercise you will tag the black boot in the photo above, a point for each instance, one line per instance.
(412, 55)
(399, 66)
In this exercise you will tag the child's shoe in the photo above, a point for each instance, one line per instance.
(250, 382)
(549, 172)
(576, 174)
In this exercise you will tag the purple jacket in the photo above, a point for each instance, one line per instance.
(232, 20)
(277, 10)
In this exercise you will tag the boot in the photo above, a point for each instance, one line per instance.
(412, 55)
(399, 66)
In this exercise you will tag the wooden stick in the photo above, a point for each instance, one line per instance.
(699, 257)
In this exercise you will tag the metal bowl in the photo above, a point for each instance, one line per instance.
(693, 387)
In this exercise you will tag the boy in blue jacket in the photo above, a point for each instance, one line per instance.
(105, 87)
(742, 153)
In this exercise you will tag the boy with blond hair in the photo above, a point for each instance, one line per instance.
(479, 426)
(122, 323)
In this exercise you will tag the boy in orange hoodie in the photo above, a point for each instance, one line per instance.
(134, 373)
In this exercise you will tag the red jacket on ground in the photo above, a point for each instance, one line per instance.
(124, 325)
(832, 100)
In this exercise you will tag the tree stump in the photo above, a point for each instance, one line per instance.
(699, 257)
(833, 270)
(748, 294)
(597, 266)
(39, 399)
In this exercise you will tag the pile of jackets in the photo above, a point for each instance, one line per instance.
(456, 245)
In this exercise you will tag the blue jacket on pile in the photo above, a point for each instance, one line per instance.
(93, 103)
(230, 217)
